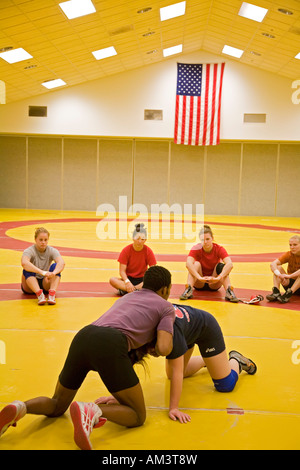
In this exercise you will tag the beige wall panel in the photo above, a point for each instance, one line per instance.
(258, 183)
(115, 171)
(186, 175)
(288, 195)
(222, 179)
(80, 174)
(13, 171)
(44, 172)
(151, 173)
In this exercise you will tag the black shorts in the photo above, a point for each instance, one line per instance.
(135, 280)
(100, 349)
(211, 341)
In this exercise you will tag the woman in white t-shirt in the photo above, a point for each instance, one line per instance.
(40, 275)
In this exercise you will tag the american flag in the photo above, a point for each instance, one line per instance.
(198, 104)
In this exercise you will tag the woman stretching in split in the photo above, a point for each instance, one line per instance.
(103, 346)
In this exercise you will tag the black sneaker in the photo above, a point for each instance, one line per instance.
(188, 293)
(274, 295)
(244, 363)
(284, 298)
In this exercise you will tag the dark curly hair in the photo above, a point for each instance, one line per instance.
(137, 356)
(156, 277)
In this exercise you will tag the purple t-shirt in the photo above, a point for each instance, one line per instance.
(139, 315)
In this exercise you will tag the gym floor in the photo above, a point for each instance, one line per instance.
(263, 412)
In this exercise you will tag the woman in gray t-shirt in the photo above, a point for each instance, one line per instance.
(40, 274)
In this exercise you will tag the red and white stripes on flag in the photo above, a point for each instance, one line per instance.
(198, 104)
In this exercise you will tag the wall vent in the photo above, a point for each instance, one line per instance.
(260, 118)
(153, 114)
(37, 111)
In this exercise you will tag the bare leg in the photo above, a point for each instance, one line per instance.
(130, 411)
(52, 283)
(192, 364)
(220, 367)
(52, 407)
(30, 284)
(194, 282)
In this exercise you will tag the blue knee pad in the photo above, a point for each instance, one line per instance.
(228, 383)
(51, 269)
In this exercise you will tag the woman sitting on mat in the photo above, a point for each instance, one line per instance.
(193, 326)
(103, 346)
(134, 260)
(40, 275)
(290, 280)
(208, 266)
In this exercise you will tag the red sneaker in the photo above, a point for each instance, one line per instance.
(85, 417)
(11, 414)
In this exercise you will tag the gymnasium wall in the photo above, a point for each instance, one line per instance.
(68, 173)
(114, 106)
(95, 145)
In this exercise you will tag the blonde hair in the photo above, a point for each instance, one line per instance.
(40, 230)
(297, 238)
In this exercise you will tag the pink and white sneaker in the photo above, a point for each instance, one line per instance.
(85, 417)
(41, 298)
(11, 414)
(51, 297)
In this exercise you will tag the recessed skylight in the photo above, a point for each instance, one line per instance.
(252, 12)
(15, 55)
(75, 8)
(233, 51)
(104, 53)
(53, 83)
(171, 11)
(297, 56)
(172, 50)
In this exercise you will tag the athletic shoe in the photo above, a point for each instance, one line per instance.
(284, 298)
(244, 363)
(230, 295)
(122, 292)
(51, 297)
(85, 417)
(41, 299)
(11, 414)
(275, 294)
(188, 293)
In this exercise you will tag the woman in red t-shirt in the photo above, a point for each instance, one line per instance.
(209, 266)
(134, 261)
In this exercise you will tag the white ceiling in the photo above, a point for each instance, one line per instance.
(62, 48)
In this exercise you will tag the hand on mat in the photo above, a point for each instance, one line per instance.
(177, 414)
(106, 401)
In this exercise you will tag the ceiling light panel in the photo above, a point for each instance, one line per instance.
(76, 8)
(172, 50)
(252, 12)
(172, 11)
(104, 53)
(53, 83)
(15, 55)
(233, 51)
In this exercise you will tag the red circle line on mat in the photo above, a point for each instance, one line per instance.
(10, 243)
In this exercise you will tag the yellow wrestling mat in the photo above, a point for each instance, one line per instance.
(263, 412)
